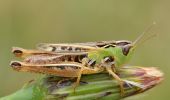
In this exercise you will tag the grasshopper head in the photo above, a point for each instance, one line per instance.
(122, 51)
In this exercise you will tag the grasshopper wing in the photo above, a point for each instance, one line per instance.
(75, 47)
(23, 53)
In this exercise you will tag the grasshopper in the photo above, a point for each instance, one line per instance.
(73, 60)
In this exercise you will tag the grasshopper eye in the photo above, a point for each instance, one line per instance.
(126, 49)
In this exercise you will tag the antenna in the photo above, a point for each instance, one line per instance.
(141, 38)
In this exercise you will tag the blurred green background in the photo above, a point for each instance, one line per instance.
(25, 23)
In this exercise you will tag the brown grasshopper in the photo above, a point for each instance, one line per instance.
(73, 60)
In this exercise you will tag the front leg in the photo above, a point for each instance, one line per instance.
(109, 64)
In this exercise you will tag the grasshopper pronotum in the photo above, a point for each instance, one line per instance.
(73, 60)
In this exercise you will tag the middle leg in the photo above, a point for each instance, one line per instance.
(109, 64)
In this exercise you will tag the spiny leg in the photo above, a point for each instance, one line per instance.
(84, 63)
(64, 69)
(109, 64)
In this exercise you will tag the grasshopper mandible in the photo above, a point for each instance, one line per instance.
(73, 60)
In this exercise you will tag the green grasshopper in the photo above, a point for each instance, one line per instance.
(73, 60)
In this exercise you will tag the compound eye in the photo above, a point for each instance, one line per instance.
(126, 49)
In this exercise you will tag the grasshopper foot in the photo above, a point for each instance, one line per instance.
(75, 86)
(121, 84)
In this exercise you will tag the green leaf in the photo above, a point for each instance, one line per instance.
(97, 86)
